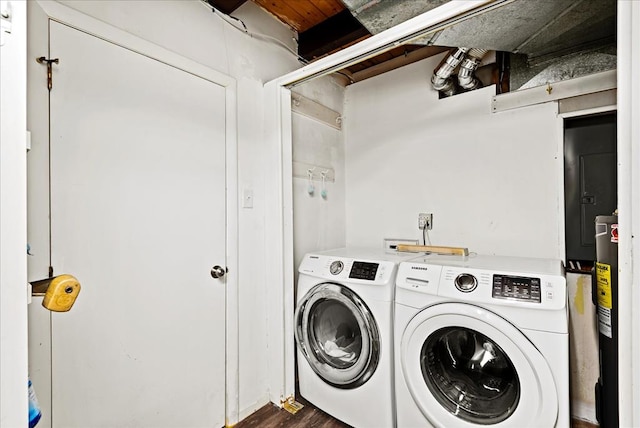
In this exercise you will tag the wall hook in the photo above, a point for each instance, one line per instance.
(323, 192)
(310, 188)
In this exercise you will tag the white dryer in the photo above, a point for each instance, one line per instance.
(344, 334)
(481, 342)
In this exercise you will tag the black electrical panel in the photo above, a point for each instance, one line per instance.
(590, 165)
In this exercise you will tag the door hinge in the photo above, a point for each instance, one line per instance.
(49, 63)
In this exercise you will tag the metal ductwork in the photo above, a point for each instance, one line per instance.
(468, 59)
(540, 31)
(466, 76)
(441, 79)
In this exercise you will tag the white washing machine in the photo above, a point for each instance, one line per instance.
(344, 334)
(481, 341)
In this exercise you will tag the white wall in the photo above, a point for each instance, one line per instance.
(492, 181)
(13, 227)
(192, 30)
(318, 224)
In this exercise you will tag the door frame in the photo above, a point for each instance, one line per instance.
(279, 215)
(94, 27)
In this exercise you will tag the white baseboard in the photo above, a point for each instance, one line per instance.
(246, 411)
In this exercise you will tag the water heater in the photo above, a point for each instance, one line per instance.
(606, 298)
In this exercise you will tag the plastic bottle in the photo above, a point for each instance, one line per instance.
(34, 407)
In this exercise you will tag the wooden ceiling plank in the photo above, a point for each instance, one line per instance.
(386, 56)
(411, 57)
(308, 10)
(329, 7)
(285, 13)
(356, 68)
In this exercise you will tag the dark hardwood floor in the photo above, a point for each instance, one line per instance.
(271, 416)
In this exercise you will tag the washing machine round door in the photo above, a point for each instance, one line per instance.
(338, 336)
(468, 367)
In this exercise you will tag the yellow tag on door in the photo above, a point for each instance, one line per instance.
(603, 280)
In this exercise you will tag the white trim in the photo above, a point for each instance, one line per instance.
(555, 91)
(278, 216)
(288, 265)
(232, 309)
(254, 407)
(560, 174)
(13, 222)
(81, 22)
(280, 269)
(629, 212)
(279, 239)
(589, 111)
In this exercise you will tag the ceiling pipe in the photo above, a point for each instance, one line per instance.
(466, 76)
(441, 79)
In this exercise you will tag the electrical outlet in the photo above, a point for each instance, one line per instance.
(425, 221)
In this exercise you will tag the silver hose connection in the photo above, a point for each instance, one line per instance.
(441, 79)
(466, 76)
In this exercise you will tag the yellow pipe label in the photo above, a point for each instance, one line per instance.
(603, 280)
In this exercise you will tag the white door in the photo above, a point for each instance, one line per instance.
(138, 216)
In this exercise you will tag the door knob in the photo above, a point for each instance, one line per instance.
(218, 271)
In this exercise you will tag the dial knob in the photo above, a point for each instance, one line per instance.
(466, 282)
(336, 267)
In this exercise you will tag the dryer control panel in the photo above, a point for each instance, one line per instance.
(348, 269)
(364, 270)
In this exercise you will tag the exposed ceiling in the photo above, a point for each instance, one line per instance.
(539, 29)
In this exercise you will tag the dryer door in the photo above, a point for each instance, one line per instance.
(337, 334)
(468, 367)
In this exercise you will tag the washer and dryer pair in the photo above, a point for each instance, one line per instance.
(474, 341)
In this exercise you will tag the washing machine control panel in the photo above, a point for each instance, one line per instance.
(516, 287)
(537, 284)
